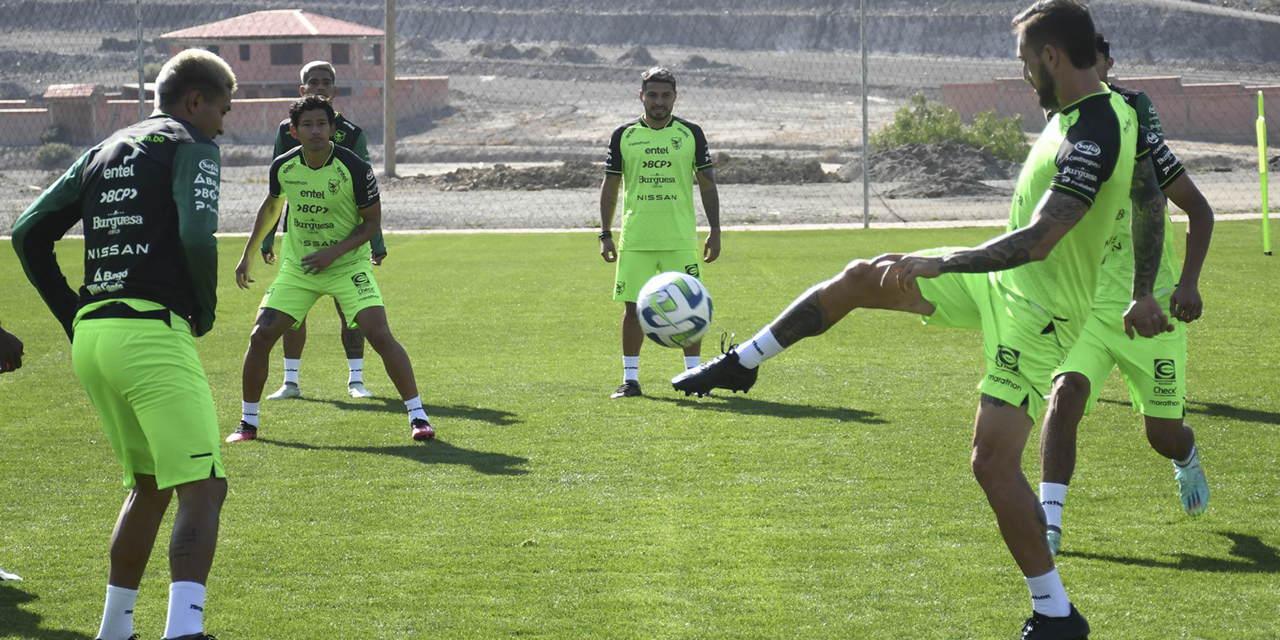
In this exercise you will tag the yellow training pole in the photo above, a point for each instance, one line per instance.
(1262, 174)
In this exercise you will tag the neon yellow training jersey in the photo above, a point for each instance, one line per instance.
(657, 168)
(324, 203)
(1086, 151)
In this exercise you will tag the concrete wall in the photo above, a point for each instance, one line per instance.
(1224, 112)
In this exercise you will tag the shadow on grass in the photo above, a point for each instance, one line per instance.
(495, 417)
(727, 402)
(1250, 555)
(20, 623)
(433, 452)
(1218, 410)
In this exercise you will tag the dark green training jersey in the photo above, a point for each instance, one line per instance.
(657, 167)
(346, 134)
(324, 203)
(148, 200)
(1086, 151)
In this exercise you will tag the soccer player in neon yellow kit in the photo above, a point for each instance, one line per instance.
(320, 79)
(655, 159)
(1155, 369)
(1029, 290)
(334, 211)
(147, 198)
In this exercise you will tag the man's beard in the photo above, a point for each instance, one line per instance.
(1047, 90)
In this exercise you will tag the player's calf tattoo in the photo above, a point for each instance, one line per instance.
(352, 341)
(805, 318)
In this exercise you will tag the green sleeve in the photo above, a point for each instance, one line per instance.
(1147, 115)
(34, 235)
(197, 222)
(362, 148)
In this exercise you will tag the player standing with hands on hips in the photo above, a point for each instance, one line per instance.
(655, 159)
(148, 201)
(320, 79)
(335, 210)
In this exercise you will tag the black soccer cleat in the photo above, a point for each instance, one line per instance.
(721, 372)
(1042, 627)
(629, 389)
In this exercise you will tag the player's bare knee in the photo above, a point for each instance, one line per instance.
(991, 469)
(1070, 390)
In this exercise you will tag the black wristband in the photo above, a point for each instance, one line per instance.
(605, 235)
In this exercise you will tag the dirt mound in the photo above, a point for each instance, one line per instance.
(575, 55)
(768, 170)
(939, 162)
(506, 51)
(638, 56)
(699, 62)
(500, 177)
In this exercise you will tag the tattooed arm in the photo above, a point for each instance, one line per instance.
(1054, 217)
(1147, 230)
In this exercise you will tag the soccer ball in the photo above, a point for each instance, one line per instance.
(674, 309)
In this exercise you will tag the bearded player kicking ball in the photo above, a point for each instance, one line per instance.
(334, 211)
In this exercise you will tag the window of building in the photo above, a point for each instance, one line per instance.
(286, 54)
(244, 52)
(373, 54)
(211, 48)
(341, 54)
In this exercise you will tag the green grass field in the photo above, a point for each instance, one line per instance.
(834, 501)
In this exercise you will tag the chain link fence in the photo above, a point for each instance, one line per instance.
(504, 107)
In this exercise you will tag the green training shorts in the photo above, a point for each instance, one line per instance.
(145, 379)
(294, 292)
(636, 267)
(1155, 369)
(1019, 344)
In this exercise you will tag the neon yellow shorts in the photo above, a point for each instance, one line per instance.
(636, 267)
(294, 292)
(145, 379)
(1155, 369)
(1019, 343)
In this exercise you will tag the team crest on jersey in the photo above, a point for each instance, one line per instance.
(675, 143)
(333, 186)
(1152, 138)
(339, 136)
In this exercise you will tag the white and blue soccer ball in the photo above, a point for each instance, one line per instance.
(674, 309)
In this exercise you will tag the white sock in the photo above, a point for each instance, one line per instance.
(414, 405)
(758, 349)
(1053, 499)
(291, 367)
(1183, 463)
(692, 361)
(186, 609)
(117, 615)
(630, 368)
(1048, 597)
(356, 368)
(249, 412)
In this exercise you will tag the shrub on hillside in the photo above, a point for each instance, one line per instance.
(922, 122)
(53, 155)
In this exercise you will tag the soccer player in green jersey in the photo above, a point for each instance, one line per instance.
(334, 211)
(1155, 370)
(655, 159)
(320, 79)
(1028, 290)
(147, 198)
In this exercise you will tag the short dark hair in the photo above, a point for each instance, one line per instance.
(657, 74)
(309, 103)
(1065, 24)
(1102, 45)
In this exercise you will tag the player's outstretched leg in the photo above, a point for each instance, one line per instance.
(271, 324)
(1175, 440)
(373, 324)
(860, 284)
